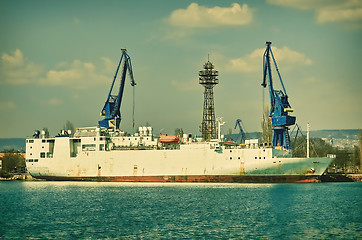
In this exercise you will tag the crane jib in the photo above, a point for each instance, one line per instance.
(111, 110)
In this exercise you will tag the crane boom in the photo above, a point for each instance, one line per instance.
(279, 104)
(111, 110)
(242, 135)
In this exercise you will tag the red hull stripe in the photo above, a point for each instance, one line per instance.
(192, 178)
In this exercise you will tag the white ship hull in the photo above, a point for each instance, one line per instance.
(118, 159)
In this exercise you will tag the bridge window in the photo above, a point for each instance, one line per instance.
(88, 147)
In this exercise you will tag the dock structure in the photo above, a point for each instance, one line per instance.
(208, 77)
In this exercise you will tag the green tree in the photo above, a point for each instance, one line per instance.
(179, 132)
(318, 147)
(68, 126)
(346, 159)
(12, 162)
(229, 136)
(360, 151)
(46, 132)
(266, 125)
(11, 150)
(4, 174)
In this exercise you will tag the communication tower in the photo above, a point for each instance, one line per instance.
(208, 78)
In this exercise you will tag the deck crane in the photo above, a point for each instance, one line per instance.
(111, 109)
(280, 107)
(242, 135)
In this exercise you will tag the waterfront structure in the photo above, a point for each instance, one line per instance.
(208, 77)
(106, 153)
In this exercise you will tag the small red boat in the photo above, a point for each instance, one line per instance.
(168, 139)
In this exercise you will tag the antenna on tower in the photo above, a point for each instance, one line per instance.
(208, 78)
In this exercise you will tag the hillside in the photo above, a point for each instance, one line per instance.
(12, 143)
(351, 134)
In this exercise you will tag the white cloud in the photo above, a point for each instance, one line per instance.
(247, 63)
(348, 11)
(17, 70)
(16, 60)
(252, 62)
(6, 105)
(76, 74)
(196, 16)
(303, 4)
(339, 14)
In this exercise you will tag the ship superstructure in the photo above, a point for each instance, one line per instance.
(105, 153)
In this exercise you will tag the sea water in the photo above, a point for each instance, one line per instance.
(94, 210)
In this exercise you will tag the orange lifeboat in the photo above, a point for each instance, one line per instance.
(168, 139)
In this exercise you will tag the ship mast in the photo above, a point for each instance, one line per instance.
(308, 140)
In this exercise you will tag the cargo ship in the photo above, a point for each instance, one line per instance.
(95, 154)
(105, 153)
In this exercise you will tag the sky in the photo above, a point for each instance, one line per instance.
(58, 60)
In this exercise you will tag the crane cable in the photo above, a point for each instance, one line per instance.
(134, 105)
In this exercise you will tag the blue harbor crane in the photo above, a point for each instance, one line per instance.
(242, 135)
(280, 107)
(111, 109)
